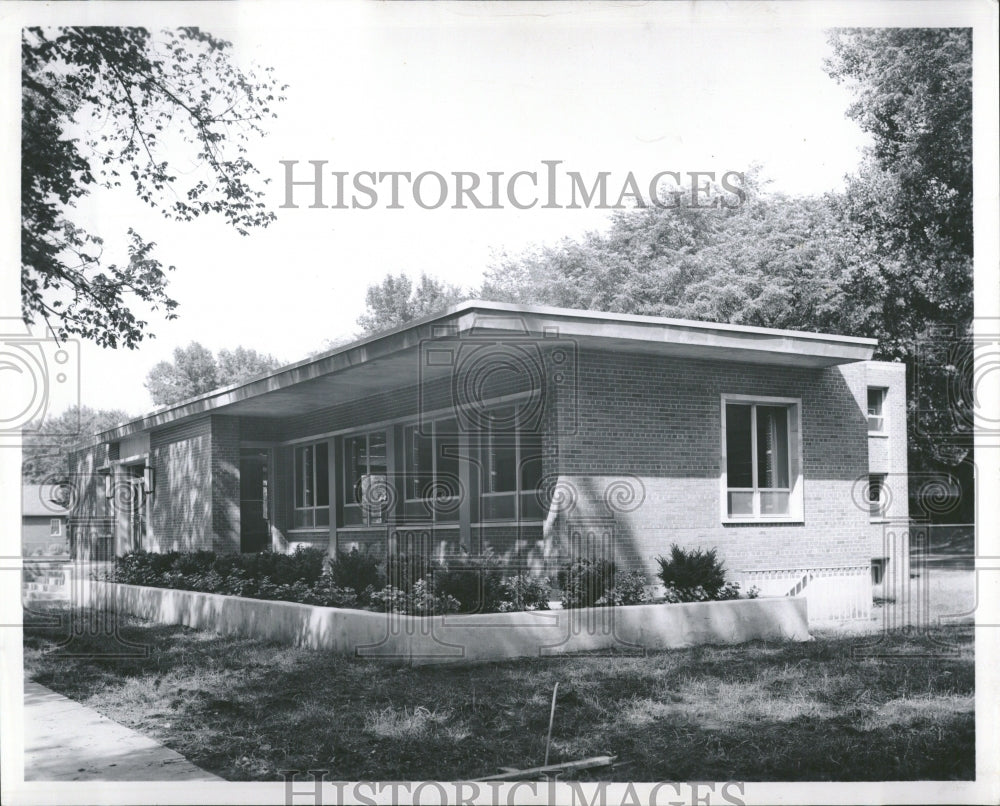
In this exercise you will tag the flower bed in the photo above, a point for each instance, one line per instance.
(449, 638)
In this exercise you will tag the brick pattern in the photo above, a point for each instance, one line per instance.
(182, 501)
(650, 428)
(225, 459)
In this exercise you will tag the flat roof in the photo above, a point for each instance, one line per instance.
(363, 365)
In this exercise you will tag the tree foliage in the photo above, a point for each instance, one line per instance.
(195, 370)
(909, 209)
(102, 107)
(395, 300)
(46, 448)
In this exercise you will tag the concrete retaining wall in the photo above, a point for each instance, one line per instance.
(453, 638)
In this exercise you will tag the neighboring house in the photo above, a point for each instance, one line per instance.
(43, 520)
(538, 434)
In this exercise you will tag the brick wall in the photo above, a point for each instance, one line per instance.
(647, 454)
(180, 456)
(91, 530)
(226, 483)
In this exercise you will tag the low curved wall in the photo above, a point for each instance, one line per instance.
(452, 638)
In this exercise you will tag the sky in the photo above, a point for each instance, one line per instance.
(393, 87)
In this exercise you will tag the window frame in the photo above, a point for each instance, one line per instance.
(884, 430)
(346, 488)
(55, 527)
(447, 513)
(484, 439)
(795, 474)
(298, 478)
(877, 513)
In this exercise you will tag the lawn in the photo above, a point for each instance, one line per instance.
(245, 709)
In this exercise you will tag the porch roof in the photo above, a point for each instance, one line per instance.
(396, 358)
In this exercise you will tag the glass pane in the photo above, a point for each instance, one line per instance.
(376, 453)
(447, 448)
(374, 497)
(498, 507)
(352, 515)
(419, 465)
(772, 447)
(531, 462)
(323, 516)
(739, 456)
(773, 503)
(740, 504)
(298, 477)
(531, 507)
(303, 518)
(306, 483)
(355, 466)
(875, 496)
(322, 475)
(875, 400)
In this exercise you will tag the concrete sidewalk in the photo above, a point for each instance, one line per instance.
(66, 741)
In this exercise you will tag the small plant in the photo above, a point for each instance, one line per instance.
(584, 581)
(629, 589)
(691, 576)
(523, 592)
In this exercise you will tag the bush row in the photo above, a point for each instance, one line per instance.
(417, 585)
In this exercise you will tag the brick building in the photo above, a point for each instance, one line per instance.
(537, 434)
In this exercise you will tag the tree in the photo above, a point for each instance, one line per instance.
(135, 97)
(395, 301)
(195, 371)
(46, 448)
(909, 210)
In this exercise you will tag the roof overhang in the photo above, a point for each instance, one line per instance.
(398, 358)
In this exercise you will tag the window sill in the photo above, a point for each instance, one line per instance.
(763, 521)
(305, 530)
(880, 434)
(512, 522)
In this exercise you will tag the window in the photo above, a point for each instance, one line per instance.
(365, 490)
(510, 461)
(55, 527)
(761, 460)
(876, 410)
(876, 496)
(432, 485)
(312, 486)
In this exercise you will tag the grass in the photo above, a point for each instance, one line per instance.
(245, 709)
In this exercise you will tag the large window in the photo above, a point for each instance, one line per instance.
(312, 486)
(876, 410)
(761, 460)
(365, 491)
(432, 487)
(510, 463)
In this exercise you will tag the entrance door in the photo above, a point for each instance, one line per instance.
(255, 534)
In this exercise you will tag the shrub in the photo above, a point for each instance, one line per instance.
(404, 570)
(357, 571)
(691, 576)
(629, 589)
(421, 600)
(584, 581)
(523, 592)
(476, 582)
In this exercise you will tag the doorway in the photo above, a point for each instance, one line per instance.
(255, 532)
